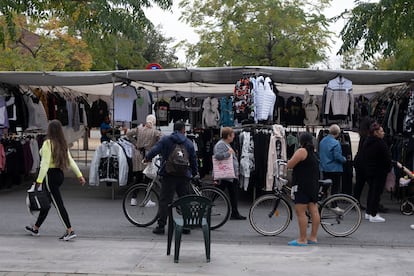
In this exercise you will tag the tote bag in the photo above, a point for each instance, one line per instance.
(223, 169)
(38, 200)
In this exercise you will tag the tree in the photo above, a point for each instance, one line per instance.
(379, 27)
(52, 51)
(116, 34)
(82, 16)
(257, 32)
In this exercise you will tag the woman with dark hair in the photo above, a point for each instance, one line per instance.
(55, 158)
(305, 176)
(377, 164)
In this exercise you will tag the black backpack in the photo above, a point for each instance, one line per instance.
(178, 162)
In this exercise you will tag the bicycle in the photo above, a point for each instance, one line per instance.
(271, 214)
(145, 212)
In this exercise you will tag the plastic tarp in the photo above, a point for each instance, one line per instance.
(210, 80)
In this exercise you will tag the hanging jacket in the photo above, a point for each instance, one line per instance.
(264, 99)
(211, 115)
(277, 150)
(226, 112)
(109, 164)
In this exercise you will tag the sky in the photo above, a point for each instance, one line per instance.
(172, 27)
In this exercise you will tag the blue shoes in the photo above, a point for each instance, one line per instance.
(312, 242)
(295, 243)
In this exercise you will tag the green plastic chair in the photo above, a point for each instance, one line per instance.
(194, 212)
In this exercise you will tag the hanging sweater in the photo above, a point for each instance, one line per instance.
(339, 96)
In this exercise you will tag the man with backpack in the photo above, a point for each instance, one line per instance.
(178, 166)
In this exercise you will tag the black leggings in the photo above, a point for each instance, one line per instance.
(55, 179)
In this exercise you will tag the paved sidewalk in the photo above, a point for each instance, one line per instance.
(26, 255)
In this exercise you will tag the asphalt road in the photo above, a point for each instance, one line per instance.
(95, 215)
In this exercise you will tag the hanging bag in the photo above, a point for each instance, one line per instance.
(223, 169)
(38, 198)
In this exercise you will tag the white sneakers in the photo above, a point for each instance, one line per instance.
(376, 218)
(150, 203)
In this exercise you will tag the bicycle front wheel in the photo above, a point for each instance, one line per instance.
(140, 205)
(340, 215)
(270, 215)
(220, 212)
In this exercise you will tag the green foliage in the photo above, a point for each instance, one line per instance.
(82, 35)
(402, 58)
(378, 27)
(256, 32)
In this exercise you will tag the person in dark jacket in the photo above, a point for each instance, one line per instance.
(360, 178)
(377, 159)
(170, 183)
(305, 176)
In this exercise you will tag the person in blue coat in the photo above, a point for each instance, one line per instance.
(172, 183)
(331, 158)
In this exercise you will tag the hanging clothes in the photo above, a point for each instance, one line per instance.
(277, 150)
(247, 163)
(142, 107)
(226, 112)
(178, 109)
(211, 115)
(97, 113)
(162, 109)
(264, 99)
(339, 98)
(124, 99)
(109, 164)
(37, 114)
(311, 110)
(193, 106)
(242, 99)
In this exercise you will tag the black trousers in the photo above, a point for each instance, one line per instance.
(232, 187)
(360, 180)
(336, 181)
(376, 187)
(169, 186)
(55, 179)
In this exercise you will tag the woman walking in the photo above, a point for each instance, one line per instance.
(305, 175)
(55, 158)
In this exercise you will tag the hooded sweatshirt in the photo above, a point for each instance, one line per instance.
(165, 146)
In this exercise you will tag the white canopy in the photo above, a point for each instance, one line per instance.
(214, 80)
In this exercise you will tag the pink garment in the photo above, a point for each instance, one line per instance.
(2, 158)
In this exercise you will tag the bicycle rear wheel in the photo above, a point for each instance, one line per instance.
(270, 215)
(340, 215)
(220, 212)
(144, 212)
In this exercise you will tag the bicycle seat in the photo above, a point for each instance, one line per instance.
(325, 182)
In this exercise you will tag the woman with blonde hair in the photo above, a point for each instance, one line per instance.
(223, 150)
(55, 158)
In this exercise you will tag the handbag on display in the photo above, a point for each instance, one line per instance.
(223, 169)
(38, 198)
